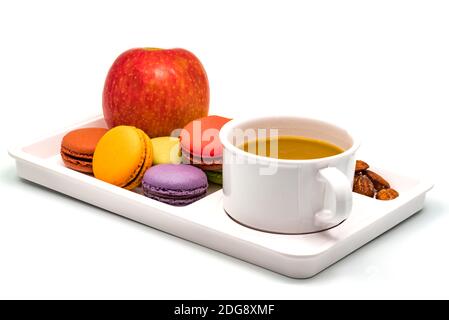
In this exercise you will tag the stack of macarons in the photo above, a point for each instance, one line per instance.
(201, 146)
(173, 170)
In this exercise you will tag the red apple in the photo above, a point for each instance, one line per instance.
(156, 90)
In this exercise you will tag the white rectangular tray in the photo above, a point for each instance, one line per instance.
(206, 223)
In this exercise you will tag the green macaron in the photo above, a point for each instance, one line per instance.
(214, 177)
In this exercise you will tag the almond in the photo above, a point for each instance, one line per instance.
(361, 166)
(387, 194)
(379, 182)
(363, 185)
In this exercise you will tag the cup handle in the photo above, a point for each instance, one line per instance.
(340, 188)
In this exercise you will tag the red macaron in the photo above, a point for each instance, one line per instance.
(200, 143)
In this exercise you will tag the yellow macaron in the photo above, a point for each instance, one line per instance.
(122, 156)
(166, 150)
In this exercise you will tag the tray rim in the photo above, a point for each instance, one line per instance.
(19, 154)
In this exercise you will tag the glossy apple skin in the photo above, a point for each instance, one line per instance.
(156, 90)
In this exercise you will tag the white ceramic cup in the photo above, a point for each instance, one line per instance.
(287, 196)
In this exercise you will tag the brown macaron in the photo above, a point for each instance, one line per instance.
(78, 147)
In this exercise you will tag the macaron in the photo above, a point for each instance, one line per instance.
(166, 150)
(122, 157)
(200, 143)
(78, 147)
(178, 185)
(214, 177)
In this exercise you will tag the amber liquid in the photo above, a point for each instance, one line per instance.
(291, 148)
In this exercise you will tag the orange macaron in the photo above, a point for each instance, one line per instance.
(122, 156)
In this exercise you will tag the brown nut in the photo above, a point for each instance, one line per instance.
(363, 185)
(360, 166)
(387, 194)
(379, 182)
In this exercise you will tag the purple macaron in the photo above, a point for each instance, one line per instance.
(175, 184)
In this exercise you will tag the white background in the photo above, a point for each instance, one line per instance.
(379, 67)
